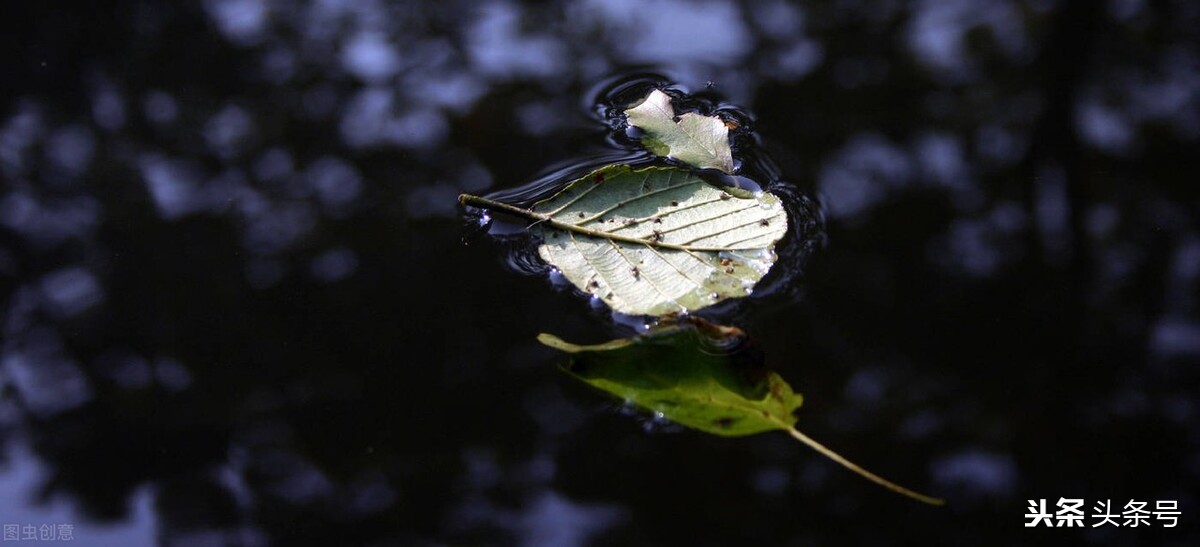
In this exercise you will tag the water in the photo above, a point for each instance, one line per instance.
(241, 304)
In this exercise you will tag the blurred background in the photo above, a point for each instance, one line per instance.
(240, 305)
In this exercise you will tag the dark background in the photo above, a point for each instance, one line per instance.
(237, 286)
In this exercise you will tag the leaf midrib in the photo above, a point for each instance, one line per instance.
(468, 199)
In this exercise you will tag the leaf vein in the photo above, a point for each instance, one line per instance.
(646, 277)
(722, 231)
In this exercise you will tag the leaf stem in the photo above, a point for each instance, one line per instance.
(476, 201)
(863, 472)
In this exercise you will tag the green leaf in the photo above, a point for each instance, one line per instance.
(689, 377)
(699, 141)
(703, 376)
(657, 240)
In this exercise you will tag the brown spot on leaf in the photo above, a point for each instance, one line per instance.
(764, 222)
(674, 204)
(776, 391)
(723, 422)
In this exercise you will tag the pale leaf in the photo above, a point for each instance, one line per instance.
(658, 240)
(699, 141)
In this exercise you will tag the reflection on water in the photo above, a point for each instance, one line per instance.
(234, 276)
(53, 519)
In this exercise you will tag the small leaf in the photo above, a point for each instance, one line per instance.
(657, 240)
(688, 376)
(699, 141)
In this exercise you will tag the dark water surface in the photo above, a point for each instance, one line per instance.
(241, 305)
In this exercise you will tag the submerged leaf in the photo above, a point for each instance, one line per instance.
(702, 376)
(689, 377)
(699, 141)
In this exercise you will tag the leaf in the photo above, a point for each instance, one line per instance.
(699, 141)
(688, 377)
(683, 243)
(705, 377)
(657, 240)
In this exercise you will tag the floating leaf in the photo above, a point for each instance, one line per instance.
(656, 240)
(687, 377)
(699, 141)
(702, 376)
